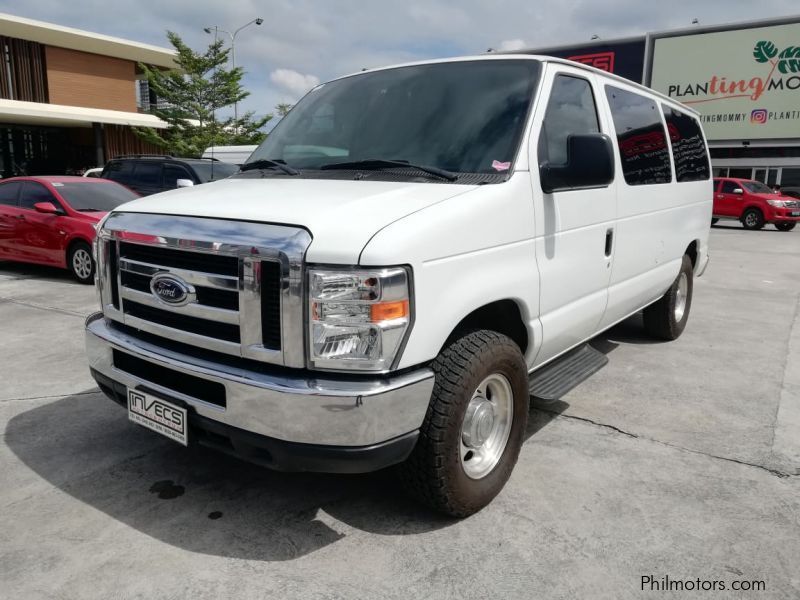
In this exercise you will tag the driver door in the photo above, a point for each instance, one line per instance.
(39, 237)
(730, 204)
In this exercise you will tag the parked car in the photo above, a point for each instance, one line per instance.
(754, 204)
(397, 264)
(792, 192)
(151, 174)
(52, 220)
(235, 155)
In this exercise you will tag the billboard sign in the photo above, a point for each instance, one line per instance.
(745, 83)
(624, 58)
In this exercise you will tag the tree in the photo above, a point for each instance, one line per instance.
(190, 97)
(283, 109)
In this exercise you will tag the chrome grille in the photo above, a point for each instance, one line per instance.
(244, 283)
(792, 204)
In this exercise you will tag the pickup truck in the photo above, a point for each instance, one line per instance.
(384, 278)
(754, 204)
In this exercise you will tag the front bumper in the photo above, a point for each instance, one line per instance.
(335, 423)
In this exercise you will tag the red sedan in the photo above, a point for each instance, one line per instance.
(51, 220)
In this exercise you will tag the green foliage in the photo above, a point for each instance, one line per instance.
(789, 60)
(283, 109)
(764, 51)
(194, 93)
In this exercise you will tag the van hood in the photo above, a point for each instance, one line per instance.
(342, 216)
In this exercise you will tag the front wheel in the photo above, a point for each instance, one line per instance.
(474, 427)
(784, 226)
(753, 219)
(666, 319)
(80, 262)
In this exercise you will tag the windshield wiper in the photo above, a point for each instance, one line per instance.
(92, 209)
(265, 163)
(383, 163)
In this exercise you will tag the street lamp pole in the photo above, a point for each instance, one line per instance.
(216, 29)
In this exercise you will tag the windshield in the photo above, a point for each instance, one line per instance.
(459, 116)
(102, 197)
(213, 170)
(756, 187)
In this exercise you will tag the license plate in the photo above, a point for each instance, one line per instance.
(159, 415)
(796, 213)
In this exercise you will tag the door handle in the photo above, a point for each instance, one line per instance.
(609, 241)
(720, 196)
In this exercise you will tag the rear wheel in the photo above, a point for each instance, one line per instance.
(666, 319)
(784, 226)
(474, 427)
(80, 262)
(753, 219)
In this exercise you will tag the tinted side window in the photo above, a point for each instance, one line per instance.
(9, 193)
(688, 148)
(147, 173)
(118, 171)
(33, 193)
(641, 137)
(570, 110)
(728, 186)
(174, 172)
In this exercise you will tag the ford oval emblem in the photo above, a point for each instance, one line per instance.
(171, 289)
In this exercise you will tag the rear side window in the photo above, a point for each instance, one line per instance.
(147, 173)
(728, 186)
(9, 193)
(640, 136)
(688, 148)
(118, 171)
(570, 110)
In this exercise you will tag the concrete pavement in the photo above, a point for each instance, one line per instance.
(677, 459)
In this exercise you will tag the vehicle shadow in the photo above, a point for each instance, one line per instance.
(198, 499)
(14, 270)
(732, 226)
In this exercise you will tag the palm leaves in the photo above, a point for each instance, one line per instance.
(764, 51)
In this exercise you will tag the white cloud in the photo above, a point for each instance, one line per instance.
(511, 45)
(292, 81)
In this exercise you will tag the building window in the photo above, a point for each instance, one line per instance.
(22, 75)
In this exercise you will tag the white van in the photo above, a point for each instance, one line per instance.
(397, 263)
(235, 155)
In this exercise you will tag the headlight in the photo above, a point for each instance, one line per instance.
(357, 318)
(777, 203)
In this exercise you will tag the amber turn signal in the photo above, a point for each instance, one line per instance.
(386, 311)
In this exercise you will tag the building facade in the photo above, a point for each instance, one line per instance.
(69, 99)
(743, 79)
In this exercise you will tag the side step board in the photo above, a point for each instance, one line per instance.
(554, 380)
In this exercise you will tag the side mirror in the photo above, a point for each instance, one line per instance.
(184, 183)
(738, 191)
(590, 163)
(46, 208)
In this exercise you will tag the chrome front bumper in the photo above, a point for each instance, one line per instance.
(339, 411)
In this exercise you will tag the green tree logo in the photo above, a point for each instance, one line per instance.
(788, 60)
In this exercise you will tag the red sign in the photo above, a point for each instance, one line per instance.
(599, 60)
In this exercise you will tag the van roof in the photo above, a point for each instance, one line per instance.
(539, 58)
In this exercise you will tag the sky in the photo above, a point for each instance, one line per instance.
(303, 42)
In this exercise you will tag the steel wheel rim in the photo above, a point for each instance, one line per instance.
(486, 426)
(82, 263)
(750, 219)
(680, 296)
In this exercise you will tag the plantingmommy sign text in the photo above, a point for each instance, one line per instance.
(745, 83)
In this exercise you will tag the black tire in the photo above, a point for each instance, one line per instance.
(714, 220)
(753, 219)
(76, 262)
(434, 473)
(660, 318)
(784, 226)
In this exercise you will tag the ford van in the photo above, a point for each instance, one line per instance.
(392, 267)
